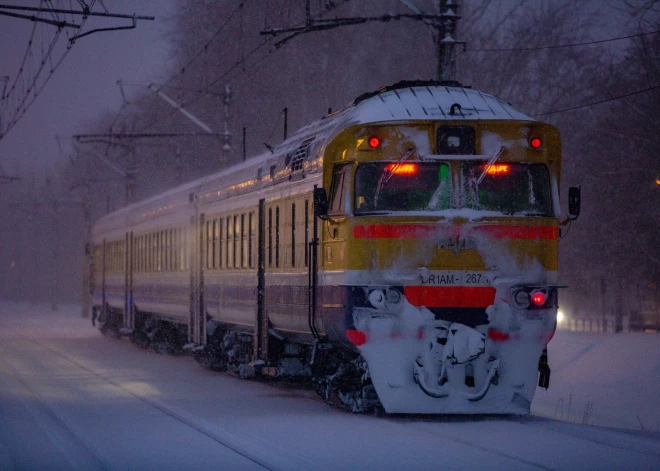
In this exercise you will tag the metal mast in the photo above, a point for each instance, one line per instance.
(446, 38)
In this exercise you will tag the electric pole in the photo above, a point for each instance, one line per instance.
(446, 38)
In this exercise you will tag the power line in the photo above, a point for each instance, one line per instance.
(183, 69)
(34, 89)
(536, 48)
(598, 102)
(208, 43)
(238, 63)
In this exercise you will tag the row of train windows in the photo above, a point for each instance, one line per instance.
(229, 242)
(161, 251)
(114, 258)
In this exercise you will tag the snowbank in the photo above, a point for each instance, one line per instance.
(608, 379)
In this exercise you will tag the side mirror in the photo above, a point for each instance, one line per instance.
(574, 199)
(320, 202)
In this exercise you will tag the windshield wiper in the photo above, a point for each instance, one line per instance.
(490, 163)
(389, 173)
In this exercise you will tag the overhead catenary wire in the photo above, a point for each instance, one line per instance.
(34, 88)
(183, 69)
(559, 46)
(598, 102)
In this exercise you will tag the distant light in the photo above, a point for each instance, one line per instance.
(536, 143)
(404, 170)
(498, 169)
(538, 298)
(374, 142)
(657, 181)
(560, 316)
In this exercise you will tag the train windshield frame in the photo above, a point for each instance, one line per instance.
(397, 186)
(510, 188)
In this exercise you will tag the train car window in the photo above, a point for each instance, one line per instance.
(237, 241)
(210, 247)
(244, 243)
(150, 252)
(277, 237)
(338, 188)
(230, 242)
(177, 255)
(184, 249)
(158, 255)
(270, 237)
(207, 239)
(402, 186)
(162, 251)
(217, 231)
(172, 250)
(293, 235)
(306, 233)
(456, 140)
(166, 251)
(251, 240)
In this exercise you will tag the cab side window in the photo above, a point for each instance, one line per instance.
(340, 178)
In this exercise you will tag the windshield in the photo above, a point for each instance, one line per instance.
(507, 187)
(402, 186)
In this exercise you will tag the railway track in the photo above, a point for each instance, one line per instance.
(252, 448)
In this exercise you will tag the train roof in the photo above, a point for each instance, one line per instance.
(432, 100)
(403, 101)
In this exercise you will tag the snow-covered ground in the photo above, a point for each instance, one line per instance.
(73, 399)
(607, 379)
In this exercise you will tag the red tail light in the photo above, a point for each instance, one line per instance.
(538, 298)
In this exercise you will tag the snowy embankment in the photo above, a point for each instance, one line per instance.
(610, 380)
(73, 399)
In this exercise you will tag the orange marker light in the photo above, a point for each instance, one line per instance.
(536, 143)
(405, 170)
(498, 169)
(374, 142)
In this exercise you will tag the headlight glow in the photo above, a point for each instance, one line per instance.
(560, 316)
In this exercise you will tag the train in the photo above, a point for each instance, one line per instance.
(401, 253)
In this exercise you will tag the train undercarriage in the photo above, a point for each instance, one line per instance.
(340, 377)
(429, 365)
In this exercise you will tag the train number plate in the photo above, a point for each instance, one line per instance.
(455, 278)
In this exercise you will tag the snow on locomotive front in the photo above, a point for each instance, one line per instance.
(440, 243)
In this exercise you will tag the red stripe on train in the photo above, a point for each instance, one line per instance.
(425, 231)
(450, 296)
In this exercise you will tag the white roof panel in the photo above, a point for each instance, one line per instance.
(432, 102)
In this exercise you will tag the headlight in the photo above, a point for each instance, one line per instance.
(377, 299)
(393, 296)
(521, 299)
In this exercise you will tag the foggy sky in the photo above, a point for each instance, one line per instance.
(85, 84)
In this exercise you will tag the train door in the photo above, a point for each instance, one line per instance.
(103, 313)
(261, 321)
(129, 310)
(197, 318)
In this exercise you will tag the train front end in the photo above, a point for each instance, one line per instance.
(443, 238)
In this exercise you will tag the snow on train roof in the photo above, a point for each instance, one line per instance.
(435, 102)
